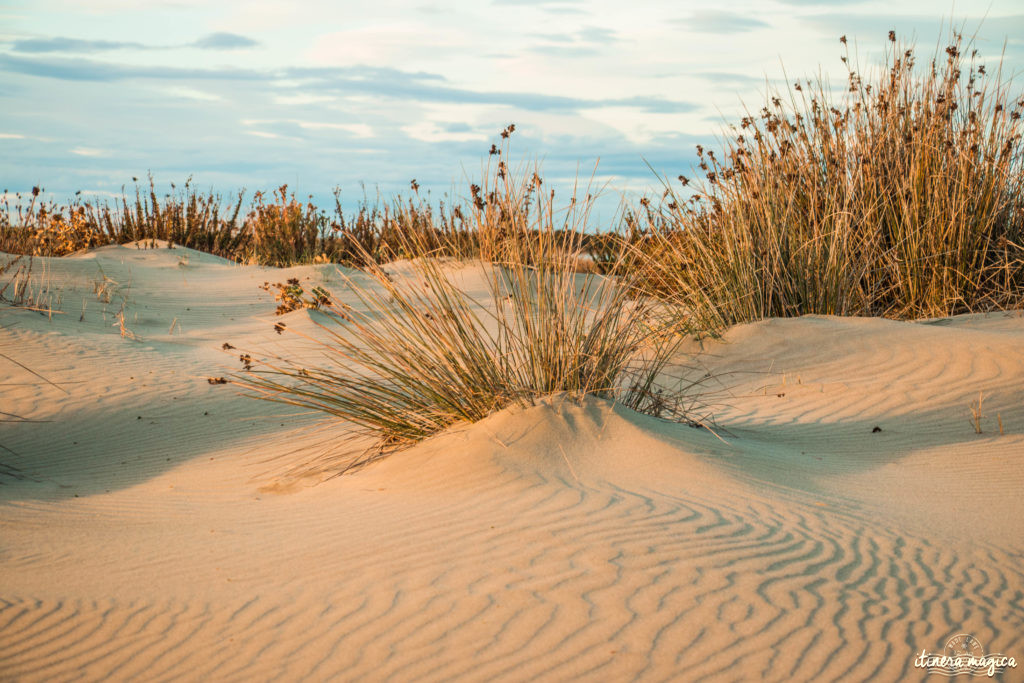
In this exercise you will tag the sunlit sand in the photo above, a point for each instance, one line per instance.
(845, 517)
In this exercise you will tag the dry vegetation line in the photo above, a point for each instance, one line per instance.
(902, 199)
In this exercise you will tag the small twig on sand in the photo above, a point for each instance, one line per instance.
(34, 373)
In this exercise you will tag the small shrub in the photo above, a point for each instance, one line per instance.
(291, 296)
(285, 231)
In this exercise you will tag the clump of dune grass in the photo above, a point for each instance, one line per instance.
(35, 227)
(184, 216)
(284, 230)
(901, 199)
(417, 353)
(380, 231)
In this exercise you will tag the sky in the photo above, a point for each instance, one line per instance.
(368, 96)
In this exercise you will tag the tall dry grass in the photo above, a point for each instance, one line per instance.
(419, 353)
(275, 228)
(901, 199)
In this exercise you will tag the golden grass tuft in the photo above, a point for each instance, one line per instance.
(418, 353)
(904, 200)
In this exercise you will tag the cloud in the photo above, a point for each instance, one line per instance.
(651, 105)
(734, 80)
(212, 41)
(872, 29)
(100, 193)
(190, 93)
(92, 70)
(543, 4)
(565, 50)
(427, 87)
(361, 74)
(591, 34)
(359, 130)
(357, 80)
(596, 34)
(59, 44)
(293, 127)
(588, 41)
(89, 152)
(550, 6)
(428, 131)
(821, 3)
(265, 134)
(224, 41)
(718, 21)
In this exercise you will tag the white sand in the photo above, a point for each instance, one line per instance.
(153, 526)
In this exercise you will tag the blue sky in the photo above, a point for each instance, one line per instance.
(325, 94)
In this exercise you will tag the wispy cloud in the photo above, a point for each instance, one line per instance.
(100, 193)
(720, 21)
(359, 130)
(552, 6)
(61, 44)
(212, 41)
(92, 70)
(342, 81)
(190, 93)
(730, 78)
(354, 75)
(224, 41)
(427, 87)
(588, 41)
(89, 152)
(264, 134)
(872, 28)
(284, 126)
(823, 3)
(428, 131)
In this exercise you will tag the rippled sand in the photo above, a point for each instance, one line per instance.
(156, 527)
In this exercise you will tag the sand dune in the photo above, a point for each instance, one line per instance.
(157, 527)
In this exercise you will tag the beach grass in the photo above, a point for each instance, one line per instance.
(418, 352)
(901, 198)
